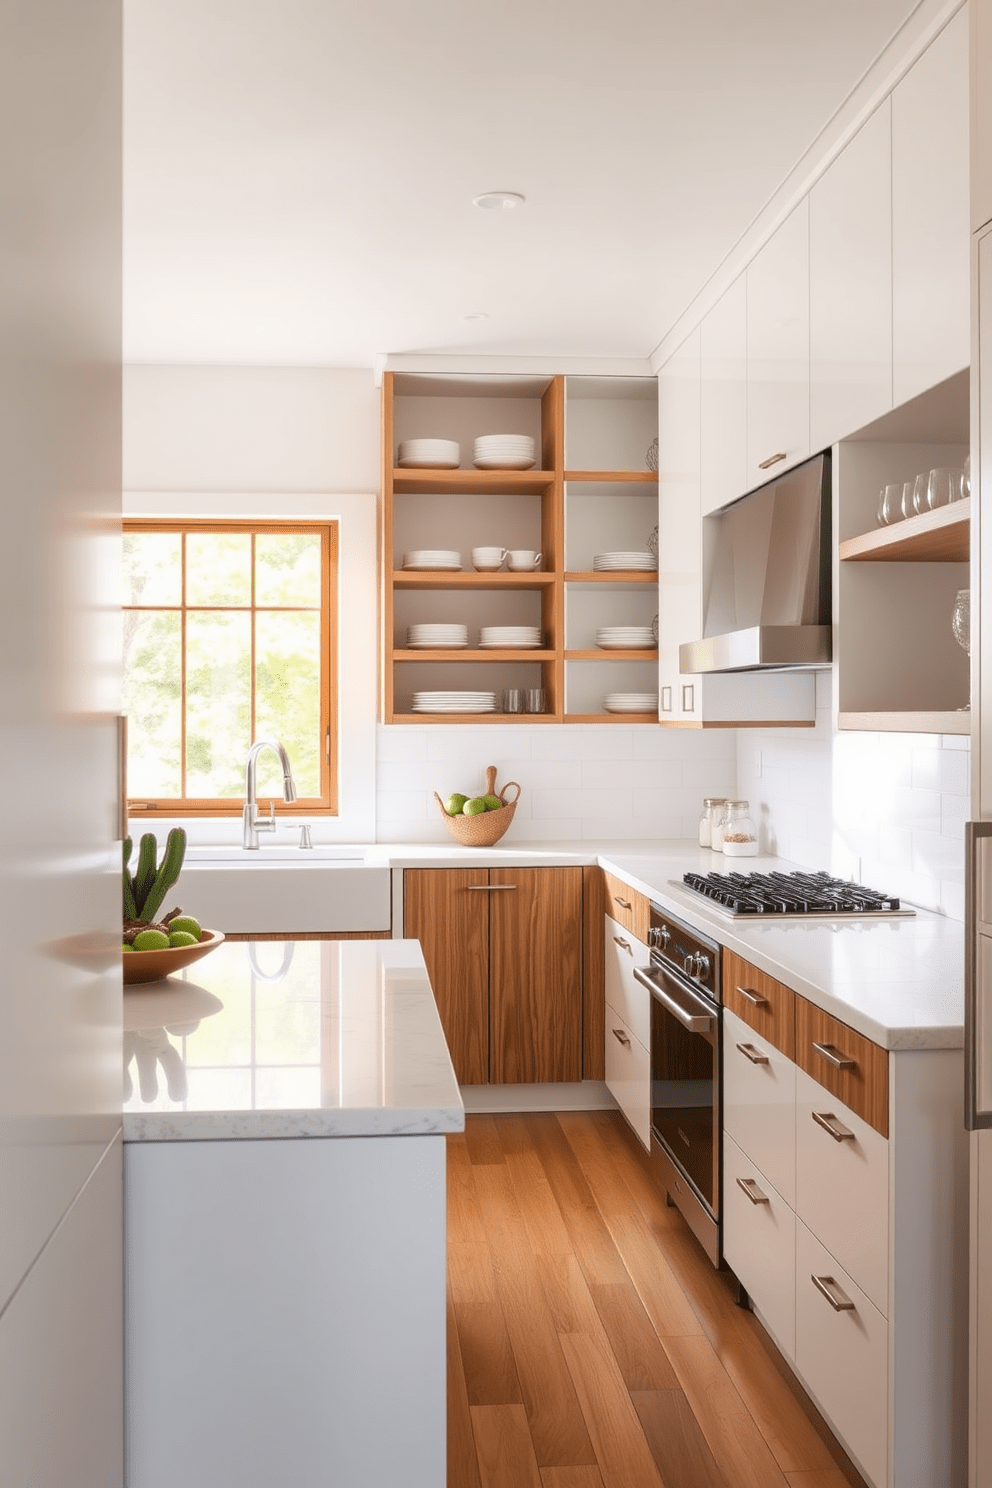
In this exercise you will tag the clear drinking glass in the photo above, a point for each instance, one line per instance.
(921, 488)
(906, 504)
(891, 503)
(536, 700)
(961, 626)
(940, 488)
(513, 700)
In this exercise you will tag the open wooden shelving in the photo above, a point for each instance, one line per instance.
(922, 722)
(941, 536)
(436, 508)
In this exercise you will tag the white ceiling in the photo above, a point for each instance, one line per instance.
(299, 173)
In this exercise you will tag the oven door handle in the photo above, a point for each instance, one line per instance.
(691, 1011)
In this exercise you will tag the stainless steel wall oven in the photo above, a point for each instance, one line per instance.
(686, 1116)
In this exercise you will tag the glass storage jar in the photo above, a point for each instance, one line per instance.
(738, 832)
(712, 810)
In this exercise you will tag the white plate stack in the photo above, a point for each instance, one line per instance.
(429, 454)
(505, 637)
(454, 702)
(631, 702)
(625, 637)
(504, 452)
(436, 637)
(625, 562)
(433, 559)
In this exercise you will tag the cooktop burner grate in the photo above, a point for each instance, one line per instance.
(790, 894)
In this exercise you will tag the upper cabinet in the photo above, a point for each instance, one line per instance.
(980, 92)
(778, 351)
(930, 234)
(850, 285)
(723, 399)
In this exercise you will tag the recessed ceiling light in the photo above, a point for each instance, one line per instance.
(475, 315)
(498, 201)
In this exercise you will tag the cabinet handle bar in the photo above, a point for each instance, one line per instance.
(830, 1123)
(750, 1052)
(772, 460)
(620, 1036)
(623, 944)
(834, 1057)
(839, 1301)
(489, 888)
(752, 997)
(623, 903)
(753, 1192)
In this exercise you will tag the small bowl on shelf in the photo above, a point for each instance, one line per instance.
(153, 966)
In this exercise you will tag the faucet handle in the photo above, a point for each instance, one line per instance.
(305, 837)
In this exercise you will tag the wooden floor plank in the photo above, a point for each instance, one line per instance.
(638, 1349)
(664, 1300)
(613, 1193)
(487, 1358)
(830, 1477)
(571, 1477)
(590, 1238)
(622, 1452)
(677, 1444)
(741, 1451)
(546, 1230)
(512, 1132)
(463, 1465)
(464, 1220)
(482, 1140)
(506, 1457)
(567, 1294)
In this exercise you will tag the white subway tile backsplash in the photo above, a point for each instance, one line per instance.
(955, 772)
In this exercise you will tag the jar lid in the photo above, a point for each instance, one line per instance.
(714, 800)
(737, 805)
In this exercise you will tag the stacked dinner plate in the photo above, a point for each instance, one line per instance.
(625, 637)
(454, 702)
(497, 637)
(504, 452)
(433, 559)
(625, 562)
(631, 702)
(428, 454)
(436, 637)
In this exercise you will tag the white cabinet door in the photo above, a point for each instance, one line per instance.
(980, 51)
(842, 1354)
(723, 399)
(850, 286)
(629, 997)
(759, 1098)
(842, 1186)
(778, 351)
(628, 1075)
(759, 1243)
(679, 535)
(931, 324)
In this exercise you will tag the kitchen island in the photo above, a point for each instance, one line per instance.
(285, 1220)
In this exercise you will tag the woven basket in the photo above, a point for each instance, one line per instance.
(488, 827)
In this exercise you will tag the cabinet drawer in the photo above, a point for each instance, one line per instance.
(842, 1186)
(629, 908)
(628, 1074)
(765, 1005)
(759, 1243)
(759, 1103)
(851, 1067)
(842, 1356)
(628, 996)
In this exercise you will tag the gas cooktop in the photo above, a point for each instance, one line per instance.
(750, 895)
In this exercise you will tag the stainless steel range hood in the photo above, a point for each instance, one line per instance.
(768, 583)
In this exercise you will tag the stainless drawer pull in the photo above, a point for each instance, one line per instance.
(490, 888)
(834, 1057)
(749, 1187)
(755, 998)
(772, 460)
(623, 944)
(750, 1052)
(621, 1037)
(837, 1129)
(839, 1301)
(623, 903)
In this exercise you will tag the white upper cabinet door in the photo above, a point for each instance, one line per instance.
(850, 286)
(980, 13)
(723, 399)
(679, 535)
(930, 217)
(778, 351)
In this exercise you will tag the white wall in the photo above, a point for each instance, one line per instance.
(888, 809)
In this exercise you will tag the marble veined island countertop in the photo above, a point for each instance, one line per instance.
(295, 1039)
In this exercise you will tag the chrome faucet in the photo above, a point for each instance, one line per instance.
(253, 824)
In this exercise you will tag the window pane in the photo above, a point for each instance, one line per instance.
(152, 568)
(218, 568)
(287, 697)
(152, 701)
(218, 703)
(287, 569)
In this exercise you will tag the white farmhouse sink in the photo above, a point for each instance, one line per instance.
(282, 890)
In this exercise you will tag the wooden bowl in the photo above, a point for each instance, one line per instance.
(152, 966)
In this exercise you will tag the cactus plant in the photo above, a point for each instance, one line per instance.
(146, 890)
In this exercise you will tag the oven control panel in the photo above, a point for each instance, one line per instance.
(684, 950)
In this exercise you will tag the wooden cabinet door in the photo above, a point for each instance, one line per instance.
(447, 910)
(535, 975)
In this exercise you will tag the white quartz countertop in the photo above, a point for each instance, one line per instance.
(286, 1040)
(898, 981)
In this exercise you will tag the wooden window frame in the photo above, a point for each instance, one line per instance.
(327, 803)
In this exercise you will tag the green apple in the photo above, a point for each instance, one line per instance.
(493, 803)
(182, 938)
(455, 804)
(187, 925)
(475, 807)
(151, 940)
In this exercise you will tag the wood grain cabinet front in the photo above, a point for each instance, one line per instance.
(767, 1006)
(851, 1067)
(629, 908)
(503, 949)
